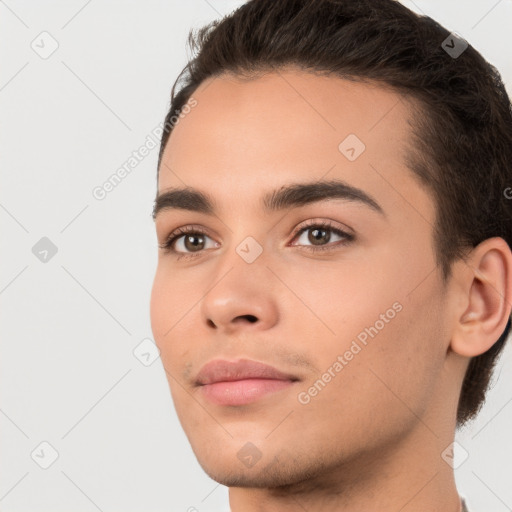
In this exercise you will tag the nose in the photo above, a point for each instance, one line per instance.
(241, 319)
(244, 298)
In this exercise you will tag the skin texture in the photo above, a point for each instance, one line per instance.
(372, 438)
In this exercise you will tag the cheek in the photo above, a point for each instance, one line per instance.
(386, 347)
(174, 307)
(376, 384)
(171, 298)
(165, 308)
(159, 305)
(346, 300)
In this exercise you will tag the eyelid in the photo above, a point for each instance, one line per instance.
(181, 231)
(326, 223)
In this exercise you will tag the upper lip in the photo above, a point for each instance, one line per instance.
(220, 370)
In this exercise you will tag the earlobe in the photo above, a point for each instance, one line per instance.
(488, 298)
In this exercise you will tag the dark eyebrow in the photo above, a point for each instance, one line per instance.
(288, 196)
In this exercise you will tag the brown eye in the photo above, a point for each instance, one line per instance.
(318, 237)
(193, 242)
(187, 241)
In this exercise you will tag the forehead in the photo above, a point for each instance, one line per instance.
(244, 136)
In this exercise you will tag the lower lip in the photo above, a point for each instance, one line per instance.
(241, 392)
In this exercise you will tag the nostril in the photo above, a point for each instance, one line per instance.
(251, 318)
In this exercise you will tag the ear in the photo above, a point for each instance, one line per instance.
(486, 303)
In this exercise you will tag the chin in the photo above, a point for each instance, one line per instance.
(281, 471)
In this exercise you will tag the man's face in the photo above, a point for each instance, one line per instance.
(252, 286)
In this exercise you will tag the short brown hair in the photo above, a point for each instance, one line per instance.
(462, 123)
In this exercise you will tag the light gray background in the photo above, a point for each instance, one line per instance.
(69, 376)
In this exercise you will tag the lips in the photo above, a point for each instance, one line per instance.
(227, 371)
(234, 383)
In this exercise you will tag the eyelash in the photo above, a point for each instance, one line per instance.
(167, 246)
